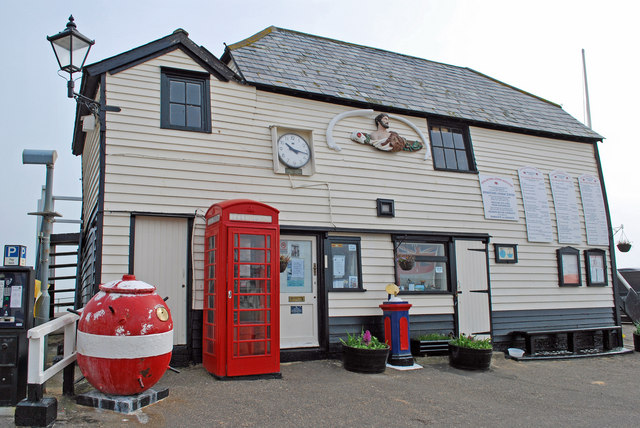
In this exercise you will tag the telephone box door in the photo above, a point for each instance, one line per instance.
(252, 302)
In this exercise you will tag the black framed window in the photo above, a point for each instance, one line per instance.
(344, 268)
(185, 100)
(451, 147)
(421, 266)
(596, 266)
(569, 267)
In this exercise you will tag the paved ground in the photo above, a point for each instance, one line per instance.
(588, 392)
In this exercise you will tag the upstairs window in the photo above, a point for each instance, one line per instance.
(451, 147)
(185, 101)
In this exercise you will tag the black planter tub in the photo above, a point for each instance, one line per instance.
(469, 359)
(364, 360)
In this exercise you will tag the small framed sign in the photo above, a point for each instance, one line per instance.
(506, 253)
(569, 267)
(596, 267)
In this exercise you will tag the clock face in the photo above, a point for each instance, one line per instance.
(293, 150)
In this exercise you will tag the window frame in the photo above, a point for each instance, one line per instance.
(575, 253)
(446, 259)
(349, 240)
(187, 76)
(587, 266)
(466, 139)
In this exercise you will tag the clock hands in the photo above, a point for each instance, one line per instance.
(296, 151)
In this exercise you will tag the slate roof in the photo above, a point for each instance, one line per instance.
(307, 65)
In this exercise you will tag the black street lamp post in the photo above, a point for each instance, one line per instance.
(71, 49)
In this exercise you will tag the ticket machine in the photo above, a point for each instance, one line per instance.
(241, 326)
(16, 318)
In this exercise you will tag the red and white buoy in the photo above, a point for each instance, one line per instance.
(125, 337)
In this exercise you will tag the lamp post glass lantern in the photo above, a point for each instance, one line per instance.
(71, 49)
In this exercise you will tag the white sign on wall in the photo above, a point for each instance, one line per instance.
(565, 202)
(595, 217)
(498, 198)
(536, 205)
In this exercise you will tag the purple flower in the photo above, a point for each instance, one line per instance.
(366, 337)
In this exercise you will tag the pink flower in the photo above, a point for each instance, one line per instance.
(367, 337)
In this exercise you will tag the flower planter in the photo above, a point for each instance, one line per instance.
(429, 347)
(468, 358)
(636, 342)
(406, 264)
(624, 247)
(364, 360)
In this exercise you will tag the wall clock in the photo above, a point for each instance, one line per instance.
(293, 150)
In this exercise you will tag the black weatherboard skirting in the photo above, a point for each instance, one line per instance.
(505, 322)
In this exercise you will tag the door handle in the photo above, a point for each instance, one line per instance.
(229, 294)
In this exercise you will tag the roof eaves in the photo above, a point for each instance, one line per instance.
(179, 39)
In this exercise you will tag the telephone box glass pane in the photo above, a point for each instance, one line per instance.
(252, 286)
(252, 256)
(251, 317)
(252, 241)
(252, 302)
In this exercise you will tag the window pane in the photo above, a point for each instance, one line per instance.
(255, 256)
(176, 91)
(450, 156)
(344, 261)
(176, 115)
(436, 139)
(447, 138)
(424, 276)
(438, 157)
(461, 156)
(252, 241)
(458, 141)
(194, 118)
(422, 249)
(194, 96)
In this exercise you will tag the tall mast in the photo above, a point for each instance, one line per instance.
(586, 90)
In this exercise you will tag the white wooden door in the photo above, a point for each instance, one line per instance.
(473, 289)
(160, 259)
(299, 293)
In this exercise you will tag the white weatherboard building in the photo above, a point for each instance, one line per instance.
(503, 209)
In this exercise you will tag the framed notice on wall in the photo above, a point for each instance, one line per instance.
(536, 205)
(595, 216)
(569, 267)
(565, 202)
(596, 266)
(498, 198)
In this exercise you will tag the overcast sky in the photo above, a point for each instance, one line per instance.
(535, 46)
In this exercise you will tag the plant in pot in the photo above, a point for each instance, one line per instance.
(364, 353)
(284, 262)
(406, 261)
(636, 337)
(470, 353)
(430, 344)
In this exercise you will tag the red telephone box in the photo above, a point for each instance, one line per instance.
(241, 327)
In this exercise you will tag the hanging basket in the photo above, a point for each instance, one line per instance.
(406, 262)
(623, 246)
(284, 262)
